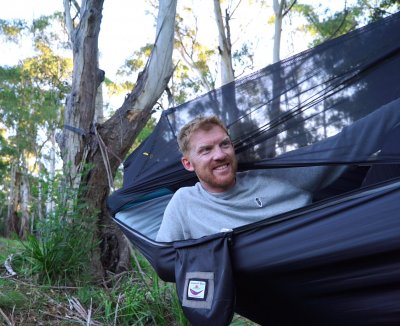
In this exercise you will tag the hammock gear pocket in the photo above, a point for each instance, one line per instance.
(204, 280)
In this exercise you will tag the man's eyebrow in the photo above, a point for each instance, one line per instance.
(204, 146)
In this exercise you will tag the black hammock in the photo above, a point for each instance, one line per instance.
(333, 262)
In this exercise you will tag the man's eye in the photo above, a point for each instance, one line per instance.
(205, 151)
(226, 144)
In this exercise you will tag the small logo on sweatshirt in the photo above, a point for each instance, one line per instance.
(259, 202)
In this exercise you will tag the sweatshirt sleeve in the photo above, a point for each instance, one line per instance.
(355, 142)
(171, 226)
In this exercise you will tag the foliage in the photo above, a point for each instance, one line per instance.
(31, 96)
(12, 29)
(332, 25)
(325, 24)
(61, 248)
(192, 75)
(380, 9)
(137, 297)
(142, 301)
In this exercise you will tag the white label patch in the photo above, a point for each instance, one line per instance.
(197, 289)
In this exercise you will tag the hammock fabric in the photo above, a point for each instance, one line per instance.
(333, 262)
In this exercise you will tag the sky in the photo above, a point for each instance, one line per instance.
(126, 27)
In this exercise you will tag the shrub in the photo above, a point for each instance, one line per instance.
(59, 252)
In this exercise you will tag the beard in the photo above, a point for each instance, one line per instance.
(215, 180)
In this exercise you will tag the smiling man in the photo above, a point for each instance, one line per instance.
(224, 199)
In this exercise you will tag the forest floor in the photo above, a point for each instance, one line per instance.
(26, 302)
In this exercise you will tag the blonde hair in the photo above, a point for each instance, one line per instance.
(199, 123)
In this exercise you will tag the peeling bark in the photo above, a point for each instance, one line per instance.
(81, 140)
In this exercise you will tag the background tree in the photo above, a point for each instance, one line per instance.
(31, 94)
(193, 64)
(281, 9)
(87, 143)
(325, 24)
(225, 43)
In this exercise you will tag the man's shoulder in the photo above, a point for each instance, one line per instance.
(252, 174)
(258, 178)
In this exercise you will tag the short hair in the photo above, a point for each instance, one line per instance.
(199, 123)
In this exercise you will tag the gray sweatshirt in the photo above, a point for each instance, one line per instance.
(193, 212)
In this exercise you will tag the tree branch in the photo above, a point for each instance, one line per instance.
(289, 8)
(68, 21)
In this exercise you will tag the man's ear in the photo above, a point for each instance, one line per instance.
(187, 164)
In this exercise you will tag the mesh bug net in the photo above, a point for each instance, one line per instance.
(332, 262)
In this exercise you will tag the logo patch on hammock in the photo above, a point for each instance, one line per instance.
(197, 289)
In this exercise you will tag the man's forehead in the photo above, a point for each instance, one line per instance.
(207, 137)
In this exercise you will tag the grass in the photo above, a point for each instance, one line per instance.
(136, 297)
(126, 299)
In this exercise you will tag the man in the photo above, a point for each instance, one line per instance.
(224, 199)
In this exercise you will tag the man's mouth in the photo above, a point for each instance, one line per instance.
(221, 167)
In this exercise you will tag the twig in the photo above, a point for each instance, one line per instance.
(89, 313)
(41, 286)
(8, 321)
(75, 304)
(120, 296)
(137, 263)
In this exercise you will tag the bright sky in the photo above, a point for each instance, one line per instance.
(126, 27)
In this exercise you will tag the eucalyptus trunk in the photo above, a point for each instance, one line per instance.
(225, 44)
(279, 14)
(24, 214)
(103, 146)
(11, 222)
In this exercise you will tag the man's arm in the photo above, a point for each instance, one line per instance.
(171, 228)
(355, 142)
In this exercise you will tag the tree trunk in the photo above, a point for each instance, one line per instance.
(24, 206)
(225, 46)
(52, 173)
(275, 110)
(17, 220)
(86, 78)
(86, 142)
(278, 11)
(11, 223)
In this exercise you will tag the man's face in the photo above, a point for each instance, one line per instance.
(212, 158)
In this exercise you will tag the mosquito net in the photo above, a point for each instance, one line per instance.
(288, 105)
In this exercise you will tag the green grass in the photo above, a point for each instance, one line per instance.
(136, 297)
(9, 246)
